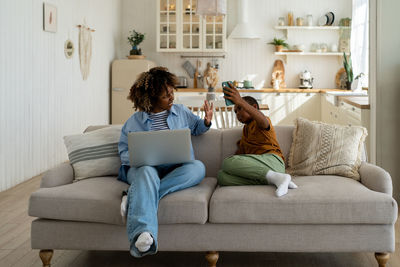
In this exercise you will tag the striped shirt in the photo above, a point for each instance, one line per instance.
(159, 120)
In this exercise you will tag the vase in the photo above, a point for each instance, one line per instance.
(348, 85)
(135, 51)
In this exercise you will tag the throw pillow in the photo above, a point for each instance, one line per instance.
(94, 153)
(319, 148)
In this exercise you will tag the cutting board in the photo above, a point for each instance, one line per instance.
(278, 72)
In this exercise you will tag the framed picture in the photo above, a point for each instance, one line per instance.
(49, 18)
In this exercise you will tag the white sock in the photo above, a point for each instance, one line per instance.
(280, 180)
(144, 242)
(124, 204)
(292, 185)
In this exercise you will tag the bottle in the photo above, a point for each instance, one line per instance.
(290, 19)
(277, 84)
(309, 20)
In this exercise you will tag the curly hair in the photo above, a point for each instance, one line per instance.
(149, 86)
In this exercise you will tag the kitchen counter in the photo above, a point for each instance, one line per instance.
(263, 90)
(361, 102)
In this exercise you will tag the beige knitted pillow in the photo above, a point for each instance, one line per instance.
(320, 148)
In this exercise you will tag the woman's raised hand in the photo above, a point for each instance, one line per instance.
(208, 111)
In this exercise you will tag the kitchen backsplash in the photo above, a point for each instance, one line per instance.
(251, 59)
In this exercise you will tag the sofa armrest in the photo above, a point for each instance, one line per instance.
(59, 175)
(376, 178)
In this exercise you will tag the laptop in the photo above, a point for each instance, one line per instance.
(152, 148)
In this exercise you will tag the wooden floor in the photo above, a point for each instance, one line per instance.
(15, 249)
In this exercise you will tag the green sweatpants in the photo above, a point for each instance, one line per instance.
(249, 169)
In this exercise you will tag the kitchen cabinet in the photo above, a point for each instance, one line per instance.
(345, 114)
(180, 29)
(329, 111)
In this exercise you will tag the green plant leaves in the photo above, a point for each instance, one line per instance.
(135, 38)
(348, 67)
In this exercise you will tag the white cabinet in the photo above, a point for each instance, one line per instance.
(344, 114)
(329, 111)
(180, 29)
(284, 108)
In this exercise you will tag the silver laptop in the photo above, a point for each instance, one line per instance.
(159, 147)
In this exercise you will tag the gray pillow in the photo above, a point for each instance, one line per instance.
(94, 153)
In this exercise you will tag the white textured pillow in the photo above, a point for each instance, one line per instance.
(94, 153)
(320, 148)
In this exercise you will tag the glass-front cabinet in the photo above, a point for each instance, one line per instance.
(180, 29)
(215, 32)
(167, 26)
(190, 26)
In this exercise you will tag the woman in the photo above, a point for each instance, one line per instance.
(153, 95)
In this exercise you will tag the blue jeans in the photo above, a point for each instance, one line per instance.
(148, 186)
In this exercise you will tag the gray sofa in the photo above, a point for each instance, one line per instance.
(325, 214)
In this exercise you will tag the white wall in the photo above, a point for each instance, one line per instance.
(388, 90)
(42, 94)
(249, 57)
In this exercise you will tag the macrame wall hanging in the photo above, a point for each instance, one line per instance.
(85, 49)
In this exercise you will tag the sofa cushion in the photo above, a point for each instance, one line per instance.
(94, 153)
(99, 199)
(317, 200)
(207, 149)
(320, 148)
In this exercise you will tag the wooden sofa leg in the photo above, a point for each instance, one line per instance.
(382, 258)
(212, 258)
(45, 255)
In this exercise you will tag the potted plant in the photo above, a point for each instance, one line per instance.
(134, 39)
(349, 70)
(279, 44)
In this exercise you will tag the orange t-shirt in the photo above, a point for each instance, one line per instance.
(259, 141)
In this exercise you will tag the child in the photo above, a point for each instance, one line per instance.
(258, 160)
(153, 95)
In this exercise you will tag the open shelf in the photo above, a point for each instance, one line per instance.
(310, 27)
(309, 54)
(286, 54)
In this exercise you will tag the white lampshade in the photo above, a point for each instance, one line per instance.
(211, 7)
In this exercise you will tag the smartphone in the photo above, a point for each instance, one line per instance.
(227, 101)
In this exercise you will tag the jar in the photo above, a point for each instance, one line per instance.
(281, 21)
(334, 48)
(323, 47)
(299, 21)
(309, 20)
(290, 19)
